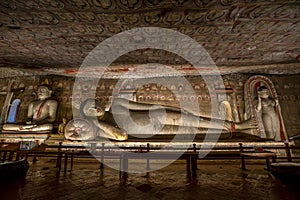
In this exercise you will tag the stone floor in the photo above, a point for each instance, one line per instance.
(214, 180)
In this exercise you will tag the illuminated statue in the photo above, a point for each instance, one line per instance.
(262, 105)
(62, 126)
(267, 106)
(104, 121)
(163, 118)
(41, 113)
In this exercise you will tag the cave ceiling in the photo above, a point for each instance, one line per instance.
(55, 36)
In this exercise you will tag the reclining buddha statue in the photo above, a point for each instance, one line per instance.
(129, 117)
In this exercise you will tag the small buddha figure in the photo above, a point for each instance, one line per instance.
(62, 126)
(41, 113)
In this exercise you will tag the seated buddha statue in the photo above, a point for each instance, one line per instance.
(41, 113)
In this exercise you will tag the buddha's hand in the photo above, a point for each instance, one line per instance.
(29, 126)
(259, 96)
(26, 127)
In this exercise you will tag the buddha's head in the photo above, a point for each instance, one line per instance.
(264, 92)
(44, 92)
(92, 108)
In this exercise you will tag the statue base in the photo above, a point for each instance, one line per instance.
(15, 137)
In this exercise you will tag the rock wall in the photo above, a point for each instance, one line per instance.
(173, 92)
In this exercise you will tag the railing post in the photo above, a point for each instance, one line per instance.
(274, 158)
(34, 159)
(4, 155)
(124, 162)
(268, 164)
(288, 152)
(194, 159)
(72, 159)
(102, 156)
(58, 162)
(93, 148)
(2, 141)
(66, 163)
(18, 152)
(188, 163)
(11, 155)
(148, 161)
(140, 149)
(242, 157)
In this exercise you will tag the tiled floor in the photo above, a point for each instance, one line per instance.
(214, 180)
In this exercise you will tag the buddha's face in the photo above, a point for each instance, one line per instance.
(264, 93)
(91, 109)
(43, 92)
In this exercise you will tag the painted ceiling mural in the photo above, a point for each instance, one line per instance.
(54, 36)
